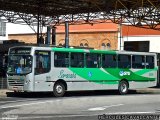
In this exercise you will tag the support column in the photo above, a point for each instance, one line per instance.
(120, 36)
(66, 34)
(38, 25)
(53, 35)
(48, 35)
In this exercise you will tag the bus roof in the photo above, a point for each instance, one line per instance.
(82, 50)
(86, 50)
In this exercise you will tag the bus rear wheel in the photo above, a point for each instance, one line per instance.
(123, 87)
(59, 89)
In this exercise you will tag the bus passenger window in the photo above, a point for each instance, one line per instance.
(61, 59)
(138, 61)
(109, 61)
(124, 61)
(42, 62)
(149, 62)
(93, 60)
(77, 60)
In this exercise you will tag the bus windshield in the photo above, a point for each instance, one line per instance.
(19, 64)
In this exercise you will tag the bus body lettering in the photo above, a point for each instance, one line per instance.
(65, 75)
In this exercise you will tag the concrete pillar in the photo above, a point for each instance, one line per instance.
(53, 35)
(66, 34)
(48, 35)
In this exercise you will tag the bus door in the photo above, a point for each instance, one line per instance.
(41, 71)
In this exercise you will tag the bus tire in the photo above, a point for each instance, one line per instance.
(123, 87)
(59, 89)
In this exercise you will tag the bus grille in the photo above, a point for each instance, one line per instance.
(15, 82)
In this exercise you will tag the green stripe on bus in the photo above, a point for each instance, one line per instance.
(84, 50)
(111, 76)
(67, 50)
(128, 74)
(143, 71)
(92, 74)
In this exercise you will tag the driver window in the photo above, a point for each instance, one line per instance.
(42, 62)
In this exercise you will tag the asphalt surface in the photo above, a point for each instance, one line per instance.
(8, 93)
(89, 105)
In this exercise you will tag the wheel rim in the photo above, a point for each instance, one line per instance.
(123, 88)
(59, 89)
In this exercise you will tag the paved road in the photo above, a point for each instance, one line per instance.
(78, 106)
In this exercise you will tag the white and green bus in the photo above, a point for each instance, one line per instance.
(41, 69)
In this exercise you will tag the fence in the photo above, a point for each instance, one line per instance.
(3, 83)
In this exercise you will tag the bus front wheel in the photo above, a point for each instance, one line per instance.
(123, 87)
(59, 89)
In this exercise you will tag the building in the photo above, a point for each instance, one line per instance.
(98, 36)
(140, 39)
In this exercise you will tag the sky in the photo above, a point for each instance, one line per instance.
(20, 29)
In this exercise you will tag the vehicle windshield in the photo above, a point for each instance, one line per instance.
(19, 64)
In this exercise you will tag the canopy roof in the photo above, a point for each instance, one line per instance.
(63, 7)
(136, 12)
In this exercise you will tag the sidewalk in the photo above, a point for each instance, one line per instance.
(3, 92)
(154, 90)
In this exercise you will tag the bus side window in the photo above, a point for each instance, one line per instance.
(93, 60)
(149, 62)
(77, 60)
(124, 61)
(109, 61)
(61, 59)
(138, 61)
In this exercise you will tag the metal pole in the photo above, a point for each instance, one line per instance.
(48, 35)
(38, 27)
(53, 35)
(121, 33)
(120, 36)
(66, 34)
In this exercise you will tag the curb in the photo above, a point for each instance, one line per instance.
(148, 90)
(3, 93)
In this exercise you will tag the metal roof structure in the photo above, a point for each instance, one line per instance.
(135, 12)
(64, 7)
(53, 7)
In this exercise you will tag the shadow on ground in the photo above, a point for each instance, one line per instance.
(68, 94)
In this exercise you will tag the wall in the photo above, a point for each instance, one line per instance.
(27, 38)
(93, 39)
(154, 41)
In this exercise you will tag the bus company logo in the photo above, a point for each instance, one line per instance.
(124, 73)
(62, 74)
(89, 74)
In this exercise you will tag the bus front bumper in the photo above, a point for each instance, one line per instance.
(16, 88)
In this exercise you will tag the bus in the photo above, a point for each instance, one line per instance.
(44, 69)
